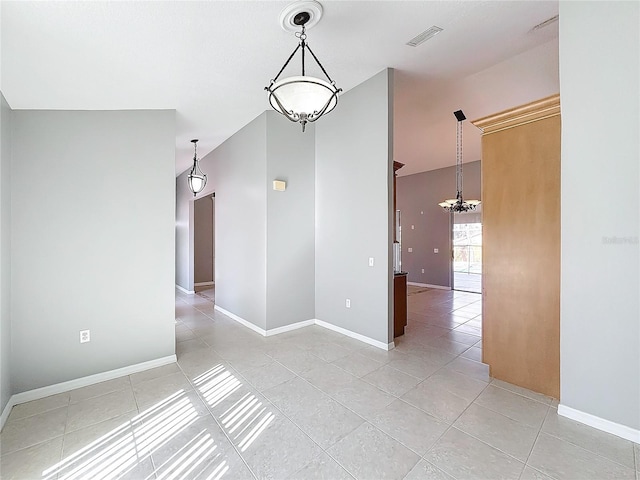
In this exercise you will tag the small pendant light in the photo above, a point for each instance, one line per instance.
(197, 179)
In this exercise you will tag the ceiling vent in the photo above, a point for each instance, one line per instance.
(424, 36)
(546, 23)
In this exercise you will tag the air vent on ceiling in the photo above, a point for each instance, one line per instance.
(424, 36)
(546, 23)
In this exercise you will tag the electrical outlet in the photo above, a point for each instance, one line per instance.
(348, 303)
(423, 270)
(371, 261)
(410, 249)
(413, 227)
(435, 250)
(85, 336)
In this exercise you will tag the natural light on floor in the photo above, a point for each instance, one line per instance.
(123, 448)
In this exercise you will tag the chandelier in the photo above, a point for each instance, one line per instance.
(458, 204)
(197, 179)
(303, 98)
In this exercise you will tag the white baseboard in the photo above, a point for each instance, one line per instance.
(439, 287)
(184, 290)
(241, 321)
(357, 336)
(306, 323)
(288, 328)
(203, 284)
(49, 390)
(608, 426)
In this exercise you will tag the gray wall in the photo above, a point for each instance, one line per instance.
(418, 196)
(236, 172)
(203, 240)
(599, 316)
(184, 232)
(92, 242)
(290, 222)
(353, 206)
(5, 253)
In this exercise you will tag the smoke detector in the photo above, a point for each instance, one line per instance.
(290, 16)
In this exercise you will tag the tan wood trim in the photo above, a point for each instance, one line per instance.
(531, 112)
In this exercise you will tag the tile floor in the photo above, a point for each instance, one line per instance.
(312, 404)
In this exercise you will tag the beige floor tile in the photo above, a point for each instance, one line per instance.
(262, 446)
(636, 448)
(99, 409)
(152, 373)
(523, 391)
(183, 401)
(503, 433)
(325, 421)
(92, 437)
(457, 383)
(414, 366)
(142, 469)
(378, 354)
(102, 388)
(474, 353)
(450, 346)
(410, 426)
(328, 378)
(189, 346)
(32, 430)
(368, 453)
(459, 336)
(531, 473)
(391, 380)
(294, 395)
(473, 369)
(186, 452)
(357, 364)
(363, 398)
(198, 362)
(157, 389)
(435, 356)
(35, 407)
(438, 402)
(329, 351)
(295, 359)
(323, 467)
(427, 471)
(465, 457)
(37, 462)
(514, 406)
(610, 446)
(184, 333)
(565, 461)
(267, 376)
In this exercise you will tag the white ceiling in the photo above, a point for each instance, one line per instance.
(210, 61)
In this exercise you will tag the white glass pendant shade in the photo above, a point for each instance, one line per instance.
(197, 180)
(303, 97)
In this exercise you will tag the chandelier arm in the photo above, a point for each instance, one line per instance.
(319, 64)
(286, 63)
(294, 117)
(316, 115)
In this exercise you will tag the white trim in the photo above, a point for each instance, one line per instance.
(357, 336)
(439, 287)
(241, 320)
(288, 328)
(203, 284)
(184, 290)
(608, 426)
(38, 393)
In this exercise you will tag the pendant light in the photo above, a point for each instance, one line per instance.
(458, 204)
(197, 179)
(302, 98)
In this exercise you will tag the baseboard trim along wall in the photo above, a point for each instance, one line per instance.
(203, 284)
(49, 390)
(608, 426)
(184, 290)
(357, 336)
(306, 323)
(439, 287)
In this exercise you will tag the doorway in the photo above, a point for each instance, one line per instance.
(466, 257)
(204, 244)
